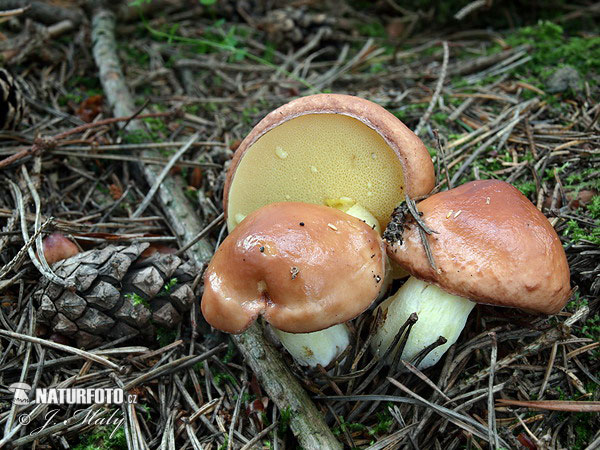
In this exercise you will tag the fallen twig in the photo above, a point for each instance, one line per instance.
(437, 92)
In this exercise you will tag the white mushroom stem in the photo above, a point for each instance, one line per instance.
(322, 347)
(362, 213)
(319, 347)
(439, 314)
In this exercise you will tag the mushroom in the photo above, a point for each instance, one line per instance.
(57, 247)
(328, 149)
(307, 269)
(492, 246)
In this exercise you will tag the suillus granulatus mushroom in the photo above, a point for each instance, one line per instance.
(492, 246)
(307, 269)
(57, 247)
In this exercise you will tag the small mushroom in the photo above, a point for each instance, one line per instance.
(57, 247)
(495, 248)
(307, 269)
(328, 149)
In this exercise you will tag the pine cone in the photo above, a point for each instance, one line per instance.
(12, 104)
(117, 293)
(295, 25)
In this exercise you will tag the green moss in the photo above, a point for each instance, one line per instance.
(231, 351)
(576, 303)
(220, 377)
(103, 438)
(527, 188)
(168, 286)
(439, 117)
(576, 233)
(285, 417)
(372, 29)
(165, 336)
(137, 299)
(594, 207)
(551, 48)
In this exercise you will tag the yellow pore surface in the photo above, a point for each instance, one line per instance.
(318, 158)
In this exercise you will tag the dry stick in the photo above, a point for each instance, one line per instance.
(41, 144)
(426, 379)
(44, 12)
(121, 157)
(64, 348)
(13, 262)
(36, 262)
(259, 436)
(38, 212)
(234, 419)
(493, 432)
(307, 422)
(465, 425)
(548, 370)
(14, 12)
(554, 405)
(182, 216)
(419, 357)
(397, 346)
(469, 8)
(442, 153)
(23, 377)
(201, 235)
(138, 212)
(498, 135)
(595, 444)
(438, 90)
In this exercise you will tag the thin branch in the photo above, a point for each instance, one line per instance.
(492, 431)
(161, 177)
(438, 90)
(36, 262)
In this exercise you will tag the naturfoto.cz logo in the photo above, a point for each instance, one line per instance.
(69, 396)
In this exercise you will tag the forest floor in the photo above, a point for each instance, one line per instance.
(515, 103)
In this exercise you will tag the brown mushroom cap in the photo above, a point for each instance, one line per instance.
(327, 146)
(303, 267)
(493, 246)
(57, 247)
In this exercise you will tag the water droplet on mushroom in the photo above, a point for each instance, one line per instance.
(369, 185)
(313, 169)
(280, 152)
(369, 194)
(239, 217)
(287, 197)
(373, 156)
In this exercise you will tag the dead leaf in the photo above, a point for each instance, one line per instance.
(195, 178)
(115, 191)
(90, 108)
